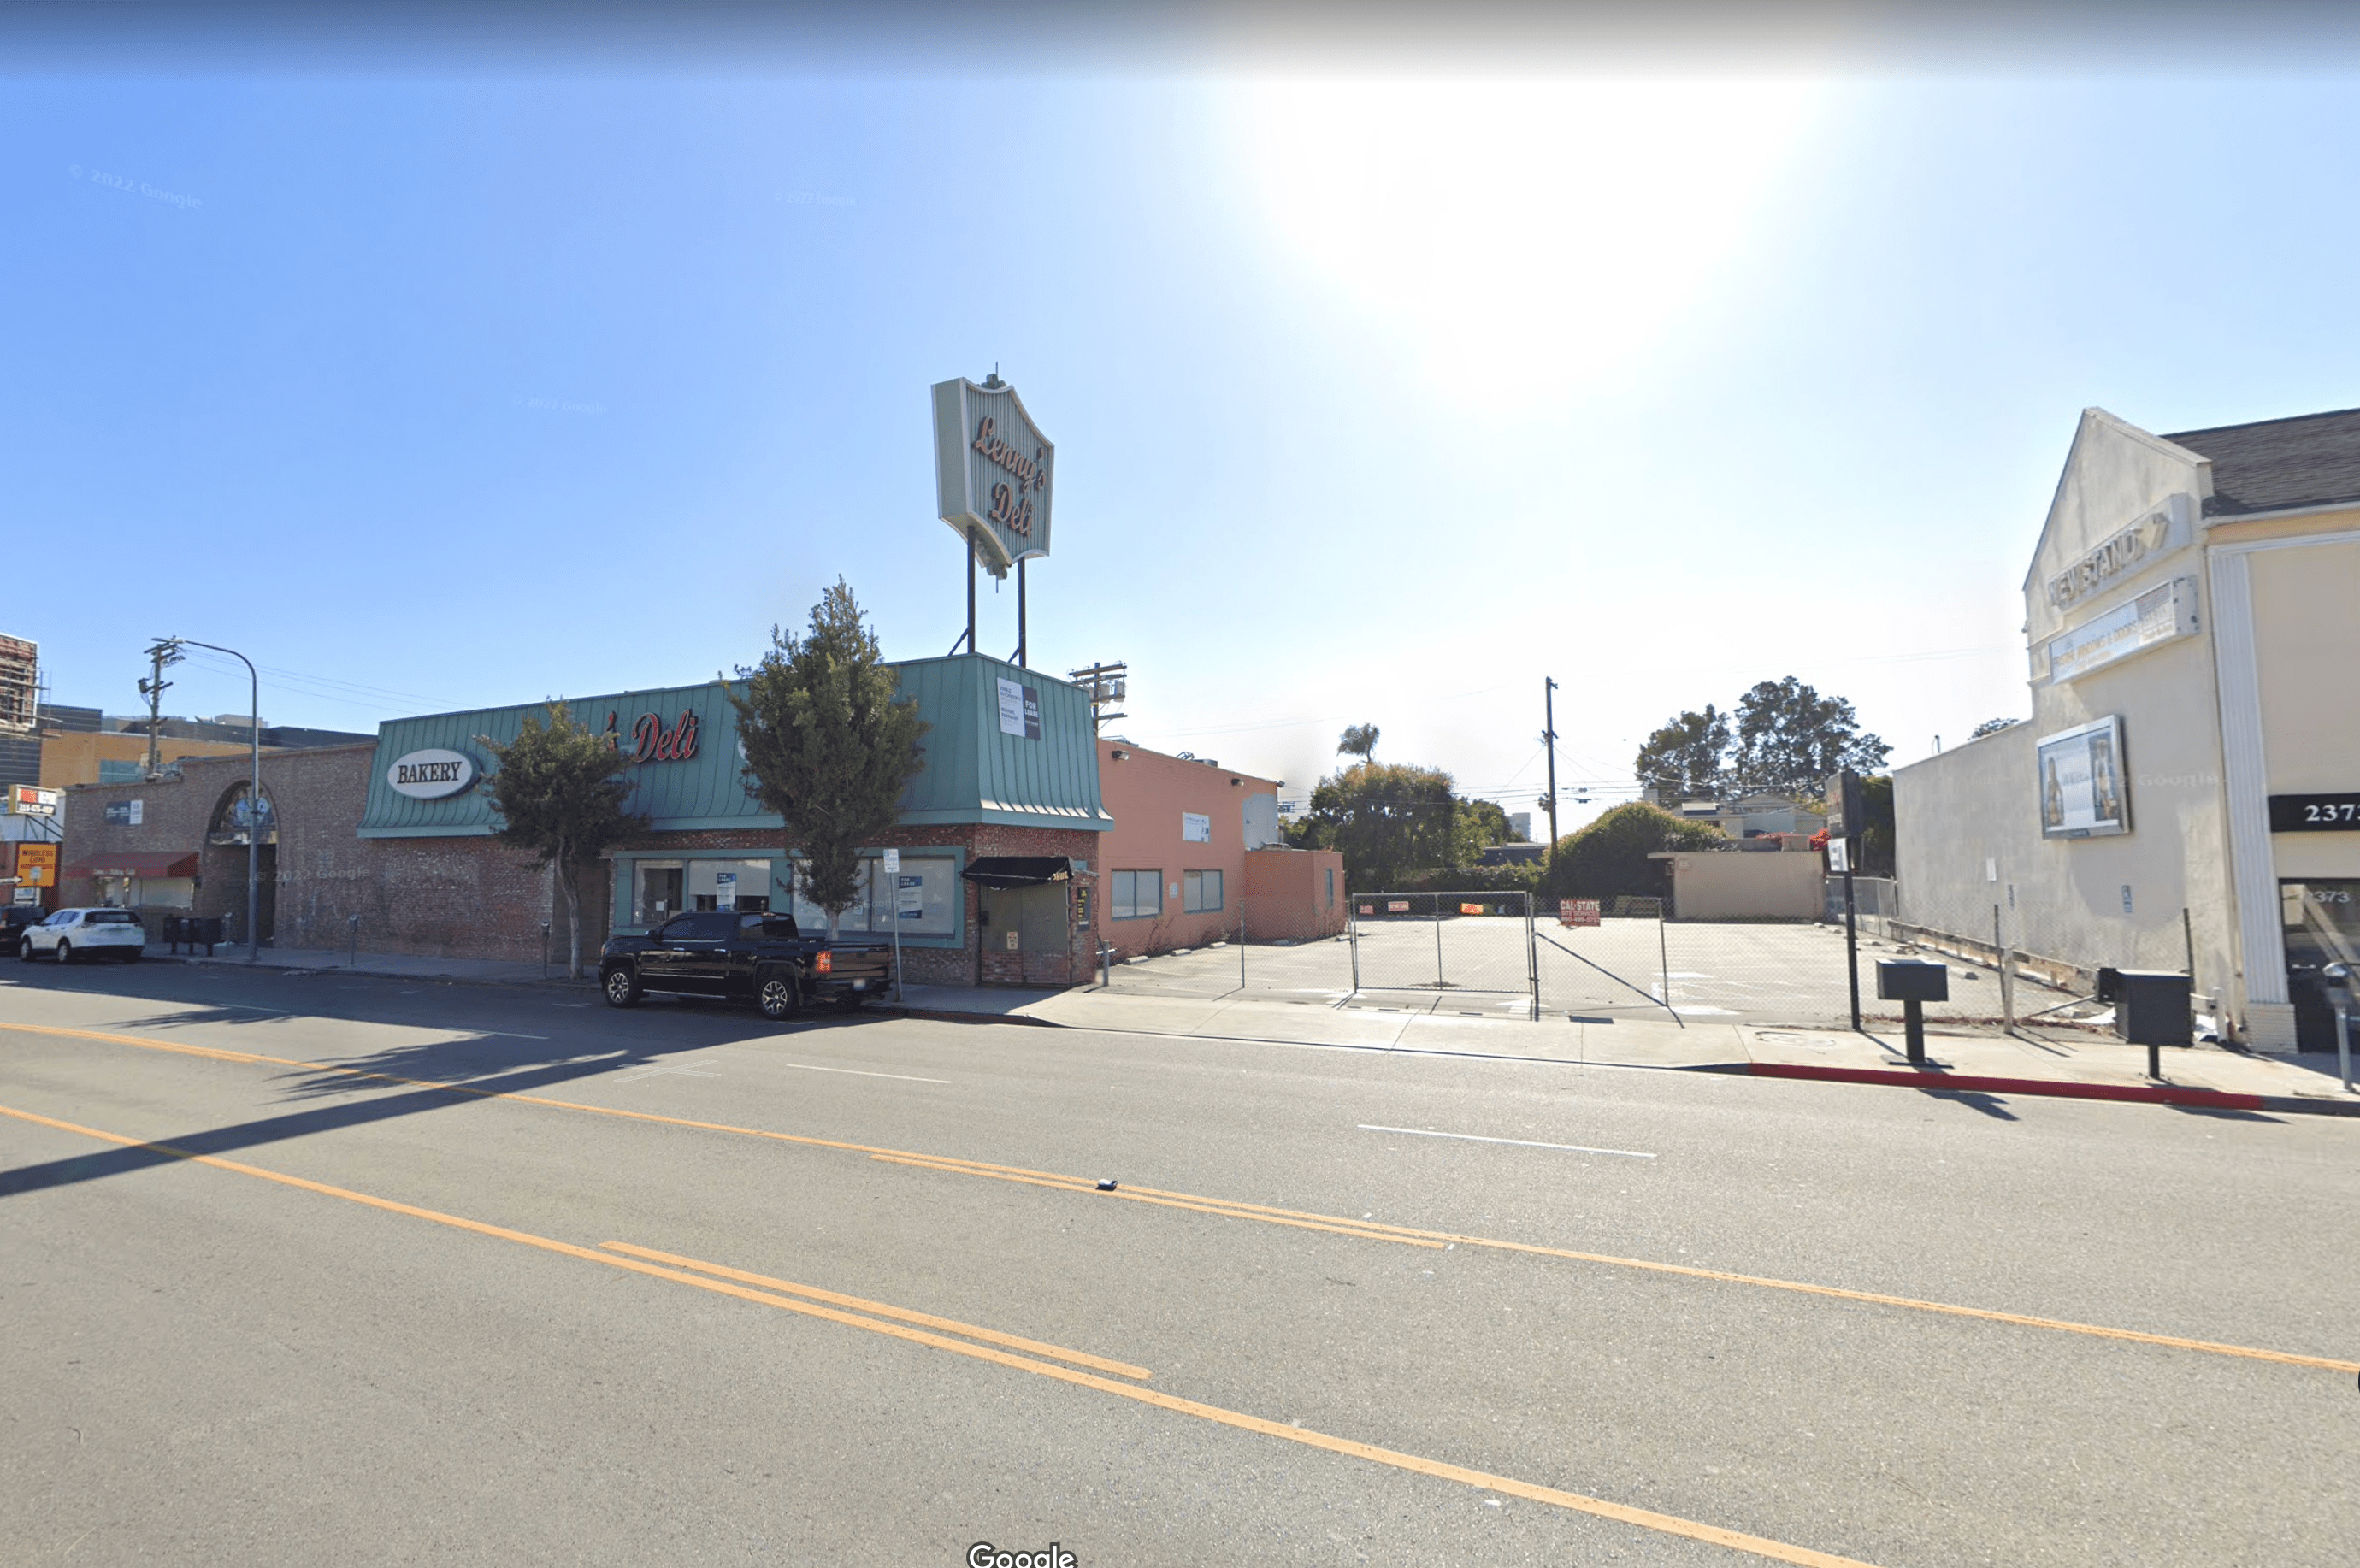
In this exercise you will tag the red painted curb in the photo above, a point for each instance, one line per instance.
(2137, 1093)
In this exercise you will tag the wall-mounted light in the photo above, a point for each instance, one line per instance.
(1120, 755)
(1237, 783)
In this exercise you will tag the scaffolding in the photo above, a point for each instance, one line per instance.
(20, 696)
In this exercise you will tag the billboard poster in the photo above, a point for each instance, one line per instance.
(1020, 708)
(2084, 790)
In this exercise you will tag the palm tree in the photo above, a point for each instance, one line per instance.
(1359, 740)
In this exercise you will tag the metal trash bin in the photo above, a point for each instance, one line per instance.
(2152, 1007)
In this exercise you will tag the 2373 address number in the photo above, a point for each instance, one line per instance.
(2315, 814)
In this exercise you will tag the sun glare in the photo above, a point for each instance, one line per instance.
(1522, 233)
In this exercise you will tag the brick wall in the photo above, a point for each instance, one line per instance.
(434, 898)
(472, 898)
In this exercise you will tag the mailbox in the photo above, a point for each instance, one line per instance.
(1912, 980)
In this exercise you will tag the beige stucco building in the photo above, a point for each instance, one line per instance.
(2189, 784)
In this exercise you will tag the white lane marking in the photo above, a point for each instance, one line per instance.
(1519, 1142)
(511, 1034)
(857, 1072)
(659, 1072)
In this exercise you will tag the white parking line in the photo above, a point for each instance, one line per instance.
(1519, 1142)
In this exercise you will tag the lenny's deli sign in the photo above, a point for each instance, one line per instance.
(993, 471)
(652, 740)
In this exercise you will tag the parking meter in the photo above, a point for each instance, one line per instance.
(2338, 977)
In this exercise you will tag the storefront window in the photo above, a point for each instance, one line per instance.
(1200, 892)
(926, 901)
(728, 885)
(657, 891)
(2323, 926)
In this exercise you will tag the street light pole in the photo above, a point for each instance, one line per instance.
(253, 797)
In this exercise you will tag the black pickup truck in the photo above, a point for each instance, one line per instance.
(744, 957)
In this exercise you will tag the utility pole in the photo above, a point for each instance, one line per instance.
(160, 652)
(1106, 684)
(253, 794)
(1548, 738)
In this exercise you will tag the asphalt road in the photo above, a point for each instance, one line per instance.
(472, 1310)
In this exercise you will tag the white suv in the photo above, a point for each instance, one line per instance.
(85, 933)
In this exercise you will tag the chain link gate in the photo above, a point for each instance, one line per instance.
(1471, 946)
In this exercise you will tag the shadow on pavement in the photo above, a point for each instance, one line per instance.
(1975, 1100)
(475, 1066)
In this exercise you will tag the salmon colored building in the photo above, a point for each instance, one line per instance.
(1194, 856)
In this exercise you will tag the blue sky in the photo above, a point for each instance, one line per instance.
(1378, 396)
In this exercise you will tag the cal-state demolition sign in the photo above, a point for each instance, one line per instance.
(993, 471)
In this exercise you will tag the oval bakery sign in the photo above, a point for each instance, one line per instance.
(431, 775)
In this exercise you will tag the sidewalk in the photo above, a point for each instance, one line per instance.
(2071, 1063)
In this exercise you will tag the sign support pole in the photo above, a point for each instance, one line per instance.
(970, 595)
(1020, 663)
(1852, 944)
(893, 872)
(1548, 728)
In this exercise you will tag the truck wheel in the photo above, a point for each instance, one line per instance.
(849, 1002)
(780, 998)
(621, 986)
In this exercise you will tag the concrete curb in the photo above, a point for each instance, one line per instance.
(2137, 1094)
(952, 1016)
(554, 982)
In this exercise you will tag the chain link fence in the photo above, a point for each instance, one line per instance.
(1463, 951)
(1493, 954)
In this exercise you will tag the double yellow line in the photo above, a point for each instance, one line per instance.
(984, 1345)
(1234, 1209)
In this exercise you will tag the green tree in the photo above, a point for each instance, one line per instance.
(1481, 825)
(1386, 818)
(1358, 740)
(1690, 755)
(1876, 838)
(1608, 859)
(558, 790)
(1789, 738)
(828, 746)
(1991, 727)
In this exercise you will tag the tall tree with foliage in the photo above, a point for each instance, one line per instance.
(828, 745)
(1386, 818)
(1689, 754)
(1358, 740)
(558, 790)
(1789, 738)
(1608, 859)
(1481, 825)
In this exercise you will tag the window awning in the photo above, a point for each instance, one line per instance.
(138, 863)
(1018, 870)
